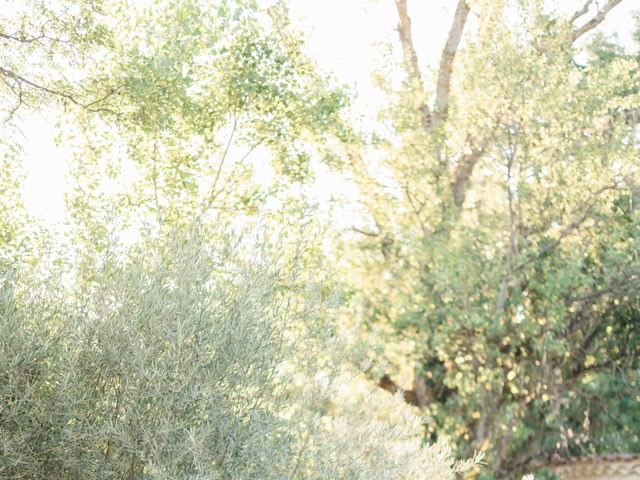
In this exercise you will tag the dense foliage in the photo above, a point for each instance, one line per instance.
(503, 238)
(187, 359)
(184, 322)
(196, 348)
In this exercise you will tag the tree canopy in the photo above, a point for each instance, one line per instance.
(199, 315)
(504, 239)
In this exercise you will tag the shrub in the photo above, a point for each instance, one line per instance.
(187, 358)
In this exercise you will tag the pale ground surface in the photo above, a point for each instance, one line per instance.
(348, 38)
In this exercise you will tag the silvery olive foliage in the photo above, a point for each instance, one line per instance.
(200, 355)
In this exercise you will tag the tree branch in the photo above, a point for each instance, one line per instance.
(417, 209)
(463, 174)
(371, 191)
(443, 87)
(595, 21)
(389, 385)
(364, 232)
(214, 192)
(411, 60)
(409, 51)
(20, 81)
(22, 38)
(581, 12)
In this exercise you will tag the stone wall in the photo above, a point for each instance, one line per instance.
(603, 467)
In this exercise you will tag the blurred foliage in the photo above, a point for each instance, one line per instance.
(520, 303)
(197, 356)
(496, 256)
(184, 327)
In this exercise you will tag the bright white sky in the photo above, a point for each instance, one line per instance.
(346, 37)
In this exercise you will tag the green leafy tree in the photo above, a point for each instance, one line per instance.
(218, 111)
(47, 50)
(192, 352)
(502, 238)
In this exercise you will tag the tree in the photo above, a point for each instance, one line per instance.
(197, 351)
(211, 92)
(47, 49)
(505, 243)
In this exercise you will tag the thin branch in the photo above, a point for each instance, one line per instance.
(443, 87)
(57, 93)
(628, 284)
(111, 92)
(364, 232)
(503, 293)
(595, 21)
(21, 79)
(154, 176)
(22, 38)
(19, 93)
(227, 183)
(370, 189)
(417, 210)
(214, 193)
(579, 367)
(581, 12)
(511, 154)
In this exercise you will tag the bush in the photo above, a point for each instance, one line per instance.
(188, 359)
